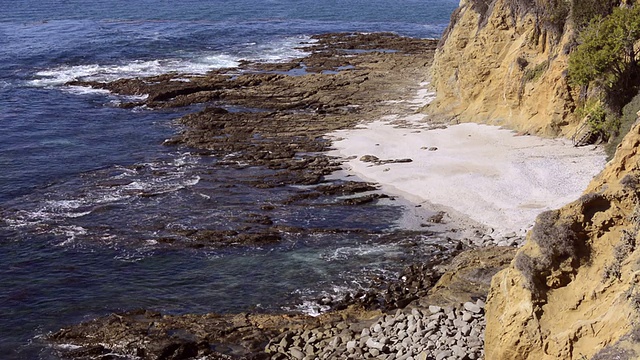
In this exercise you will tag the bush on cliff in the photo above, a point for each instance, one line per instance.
(628, 118)
(558, 242)
(583, 11)
(606, 59)
(606, 54)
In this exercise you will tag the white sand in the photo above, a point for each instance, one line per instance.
(489, 174)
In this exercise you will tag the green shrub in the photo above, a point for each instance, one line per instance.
(583, 11)
(535, 73)
(625, 122)
(606, 53)
(601, 119)
(595, 112)
(557, 242)
(554, 15)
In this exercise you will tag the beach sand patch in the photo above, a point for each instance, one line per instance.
(492, 175)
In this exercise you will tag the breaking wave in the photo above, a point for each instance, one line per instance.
(190, 64)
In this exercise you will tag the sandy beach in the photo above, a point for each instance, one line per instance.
(492, 175)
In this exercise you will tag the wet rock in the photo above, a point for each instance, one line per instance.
(280, 126)
(364, 199)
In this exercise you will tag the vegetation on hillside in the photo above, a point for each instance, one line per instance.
(607, 54)
(604, 64)
(583, 11)
(604, 70)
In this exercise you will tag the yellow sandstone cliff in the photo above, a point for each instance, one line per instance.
(498, 64)
(573, 290)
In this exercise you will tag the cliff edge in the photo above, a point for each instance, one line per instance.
(498, 63)
(571, 291)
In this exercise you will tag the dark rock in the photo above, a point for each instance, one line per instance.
(364, 199)
(175, 351)
(369, 158)
(279, 123)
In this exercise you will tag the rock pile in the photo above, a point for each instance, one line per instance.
(492, 238)
(420, 333)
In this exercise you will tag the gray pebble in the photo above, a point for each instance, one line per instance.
(458, 323)
(336, 341)
(467, 316)
(459, 351)
(372, 344)
(296, 353)
(377, 328)
(472, 307)
(480, 303)
(309, 349)
(465, 330)
(351, 344)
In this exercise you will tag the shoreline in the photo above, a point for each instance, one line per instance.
(489, 175)
(325, 114)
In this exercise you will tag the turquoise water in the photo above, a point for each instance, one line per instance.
(77, 239)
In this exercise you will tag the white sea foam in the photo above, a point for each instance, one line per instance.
(280, 50)
(162, 185)
(129, 257)
(108, 72)
(193, 64)
(64, 204)
(70, 232)
(345, 253)
(83, 90)
(312, 308)
(65, 346)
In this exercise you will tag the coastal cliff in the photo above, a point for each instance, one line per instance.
(498, 63)
(570, 292)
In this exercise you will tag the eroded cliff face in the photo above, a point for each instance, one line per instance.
(572, 291)
(497, 64)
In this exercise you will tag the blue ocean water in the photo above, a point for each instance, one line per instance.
(77, 239)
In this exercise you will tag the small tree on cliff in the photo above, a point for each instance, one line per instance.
(607, 54)
(582, 11)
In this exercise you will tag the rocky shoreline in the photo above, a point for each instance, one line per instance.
(449, 333)
(275, 116)
(420, 330)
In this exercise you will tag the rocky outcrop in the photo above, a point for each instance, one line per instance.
(499, 63)
(571, 291)
(411, 318)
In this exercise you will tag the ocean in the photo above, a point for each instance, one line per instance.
(87, 189)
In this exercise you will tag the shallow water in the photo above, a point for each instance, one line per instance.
(88, 191)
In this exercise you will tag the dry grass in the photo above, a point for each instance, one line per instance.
(557, 241)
